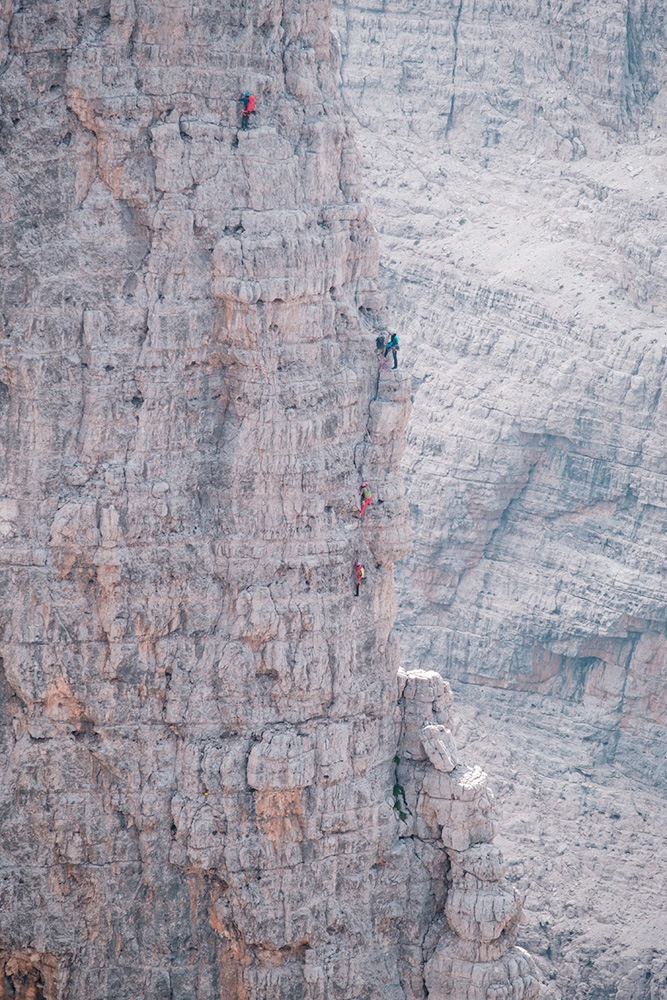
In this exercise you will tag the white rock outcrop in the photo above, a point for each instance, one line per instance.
(439, 747)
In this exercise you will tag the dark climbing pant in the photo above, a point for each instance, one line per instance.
(395, 355)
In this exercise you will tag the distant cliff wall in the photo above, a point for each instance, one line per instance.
(516, 167)
(514, 159)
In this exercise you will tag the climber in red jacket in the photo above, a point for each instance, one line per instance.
(248, 101)
(360, 574)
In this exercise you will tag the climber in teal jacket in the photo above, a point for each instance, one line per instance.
(393, 346)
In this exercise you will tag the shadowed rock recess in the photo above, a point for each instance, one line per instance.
(204, 793)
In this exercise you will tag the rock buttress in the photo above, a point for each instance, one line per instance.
(469, 948)
(198, 716)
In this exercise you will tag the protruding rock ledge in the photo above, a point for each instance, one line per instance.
(450, 802)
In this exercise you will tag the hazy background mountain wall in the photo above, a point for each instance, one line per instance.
(514, 157)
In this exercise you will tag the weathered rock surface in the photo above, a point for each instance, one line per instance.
(198, 717)
(515, 161)
(475, 956)
(439, 747)
(584, 843)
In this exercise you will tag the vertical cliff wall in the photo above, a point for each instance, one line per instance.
(198, 717)
(514, 159)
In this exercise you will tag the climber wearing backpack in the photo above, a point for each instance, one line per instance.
(360, 575)
(248, 108)
(366, 498)
(392, 345)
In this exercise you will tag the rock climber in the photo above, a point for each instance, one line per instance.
(393, 346)
(366, 498)
(248, 108)
(360, 574)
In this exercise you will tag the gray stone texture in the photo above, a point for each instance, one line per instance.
(475, 955)
(515, 162)
(198, 717)
(522, 238)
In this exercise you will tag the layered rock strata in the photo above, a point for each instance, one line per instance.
(197, 714)
(515, 161)
(448, 802)
(516, 166)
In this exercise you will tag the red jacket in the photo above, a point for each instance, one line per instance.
(250, 106)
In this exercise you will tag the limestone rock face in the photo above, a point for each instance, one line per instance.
(461, 804)
(476, 955)
(449, 977)
(511, 233)
(198, 716)
(515, 161)
(440, 747)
